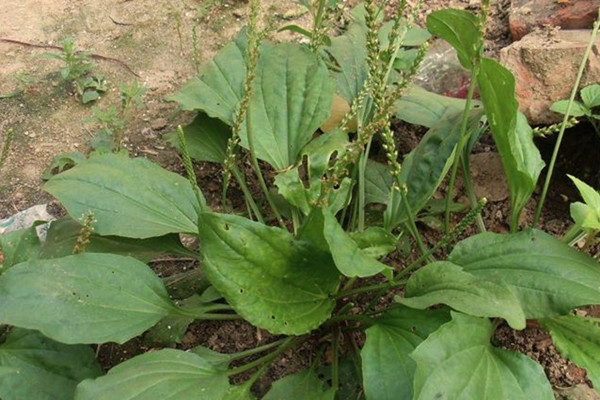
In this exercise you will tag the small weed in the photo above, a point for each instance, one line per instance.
(76, 70)
(23, 82)
(590, 102)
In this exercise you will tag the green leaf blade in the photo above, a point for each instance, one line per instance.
(577, 339)
(273, 281)
(425, 167)
(160, 375)
(548, 277)
(144, 202)
(446, 283)
(459, 28)
(305, 385)
(512, 134)
(218, 89)
(41, 368)
(292, 97)
(457, 362)
(85, 298)
(387, 369)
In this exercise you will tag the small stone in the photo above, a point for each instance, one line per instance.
(159, 123)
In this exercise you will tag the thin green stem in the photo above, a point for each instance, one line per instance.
(461, 144)
(335, 364)
(411, 221)
(247, 194)
(565, 121)
(362, 167)
(189, 169)
(288, 343)
(369, 288)
(258, 172)
(471, 194)
(256, 350)
(295, 219)
(218, 317)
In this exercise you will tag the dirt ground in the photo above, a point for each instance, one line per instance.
(155, 39)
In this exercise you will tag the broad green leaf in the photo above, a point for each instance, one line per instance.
(425, 167)
(62, 237)
(19, 246)
(591, 96)
(305, 385)
(378, 181)
(241, 392)
(591, 218)
(387, 369)
(129, 197)
(206, 139)
(38, 368)
(420, 107)
(350, 52)
(171, 329)
(584, 216)
(443, 282)
(291, 99)
(218, 89)
(459, 28)
(457, 362)
(577, 339)
(85, 298)
(549, 277)
(317, 156)
(521, 160)
(577, 109)
(374, 241)
(159, 375)
(323, 229)
(216, 359)
(272, 280)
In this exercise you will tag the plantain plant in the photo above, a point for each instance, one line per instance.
(308, 258)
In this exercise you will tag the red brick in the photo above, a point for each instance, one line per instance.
(526, 15)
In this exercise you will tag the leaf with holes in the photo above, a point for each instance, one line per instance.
(129, 197)
(272, 280)
(577, 339)
(317, 155)
(458, 362)
(159, 375)
(548, 277)
(443, 282)
(387, 369)
(41, 369)
(323, 230)
(85, 298)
